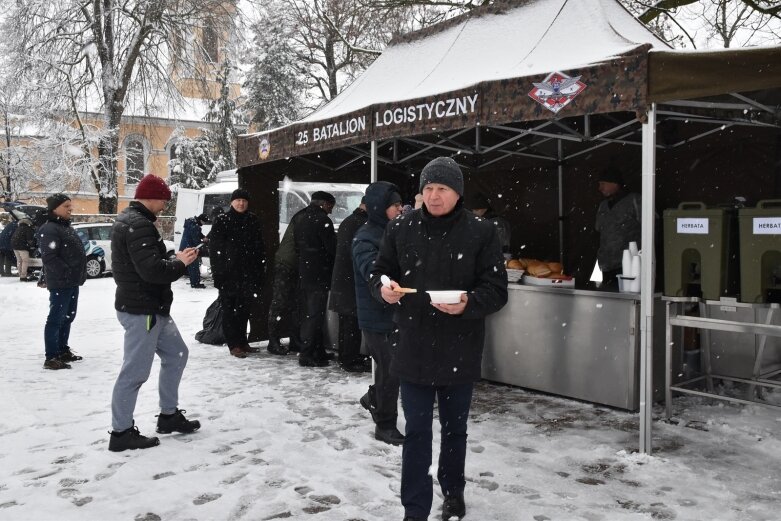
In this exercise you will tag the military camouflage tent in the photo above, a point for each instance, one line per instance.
(532, 97)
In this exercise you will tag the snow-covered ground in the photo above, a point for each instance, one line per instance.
(283, 442)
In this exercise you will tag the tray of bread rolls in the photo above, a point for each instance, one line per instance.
(536, 272)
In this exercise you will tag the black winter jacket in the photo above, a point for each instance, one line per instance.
(62, 253)
(373, 315)
(23, 238)
(315, 241)
(237, 253)
(452, 252)
(141, 271)
(342, 298)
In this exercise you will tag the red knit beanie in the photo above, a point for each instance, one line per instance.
(153, 187)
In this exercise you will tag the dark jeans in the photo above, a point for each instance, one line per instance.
(385, 391)
(62, 311)
(312, 304)
(194, 271)
(418, 404)
(349, 346)
(236, 312)
(283, 302)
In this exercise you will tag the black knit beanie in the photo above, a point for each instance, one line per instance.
(443, 170)
(54, 201)
(240, 193)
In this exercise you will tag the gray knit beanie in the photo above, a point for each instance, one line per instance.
(443, 170)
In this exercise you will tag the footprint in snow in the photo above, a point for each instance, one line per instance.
(149, 516)
(230, 480)
(163, 475)
(67, 492)
(206, 498)
(79, 502)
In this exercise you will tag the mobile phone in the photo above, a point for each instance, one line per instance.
(199, 246)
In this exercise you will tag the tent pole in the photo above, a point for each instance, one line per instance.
(560, 162)
(374, 163)
(647, 280)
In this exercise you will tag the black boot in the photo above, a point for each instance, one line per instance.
(176, 422)
(369, 403)
(130, 439)
(391, 436)
(69, 356)
(453, 507)
(55, 364)
(275, 347)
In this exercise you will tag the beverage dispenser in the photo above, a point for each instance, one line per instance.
(760, 252)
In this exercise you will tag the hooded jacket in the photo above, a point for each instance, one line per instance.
(62, 254)
(373, 315)
(141, 271)
(457, 251)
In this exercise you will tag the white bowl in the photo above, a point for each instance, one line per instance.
(446, 297)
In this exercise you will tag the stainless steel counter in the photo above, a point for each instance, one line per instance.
(577, 343)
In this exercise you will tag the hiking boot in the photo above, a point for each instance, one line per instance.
(390, 436)
(70, 356)
(453, 507)
(367, 403)
(305, 361)
(275, 347)
(130, 439)
(55, 363)
(249, 349)
(238, 352)
(176, 422)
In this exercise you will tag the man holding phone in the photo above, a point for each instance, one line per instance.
(143, 300)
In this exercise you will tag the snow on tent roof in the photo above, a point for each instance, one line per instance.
(512, 39)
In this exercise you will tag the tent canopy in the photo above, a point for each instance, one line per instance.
(480, 70)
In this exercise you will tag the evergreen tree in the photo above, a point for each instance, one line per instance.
(193, 166)
(224, 114)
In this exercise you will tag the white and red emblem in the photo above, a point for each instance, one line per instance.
(556, 91)
(264, 149)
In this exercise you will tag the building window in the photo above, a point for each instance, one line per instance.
(135, 160)
(211, 42)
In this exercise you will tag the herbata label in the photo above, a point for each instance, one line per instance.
(692, 225)
(767, 225)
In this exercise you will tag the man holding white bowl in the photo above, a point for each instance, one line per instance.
(440, 246)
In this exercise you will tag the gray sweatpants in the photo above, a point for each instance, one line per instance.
(142, 341)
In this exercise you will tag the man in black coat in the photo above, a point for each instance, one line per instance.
(438, 247)
(62, 254)
(315, 241)
(238, 261)
(342, 299)
(23, 243)
(143, 276)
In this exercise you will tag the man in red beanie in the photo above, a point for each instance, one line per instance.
(143, 276)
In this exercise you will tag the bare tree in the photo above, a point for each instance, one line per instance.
(100, 55)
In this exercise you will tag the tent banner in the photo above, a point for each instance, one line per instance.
(612, 86)
(447, 111)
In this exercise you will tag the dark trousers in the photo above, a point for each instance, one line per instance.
(384, 394)
(7, 259)
(194, 272)
(62, 312)
(283, 302)
(349, 346)
(417, 402)
(236, 312)
(312, 304)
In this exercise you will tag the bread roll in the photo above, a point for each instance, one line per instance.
(538, 269)
(556, 267)
(514, 264)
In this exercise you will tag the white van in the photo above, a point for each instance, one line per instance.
(293, 196)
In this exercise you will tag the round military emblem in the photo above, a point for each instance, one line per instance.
(264, 148)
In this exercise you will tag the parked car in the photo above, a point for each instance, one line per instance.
(97, 243)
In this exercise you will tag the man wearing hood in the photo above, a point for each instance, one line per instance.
(375, 318)
(62, 254)
(438, 355)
